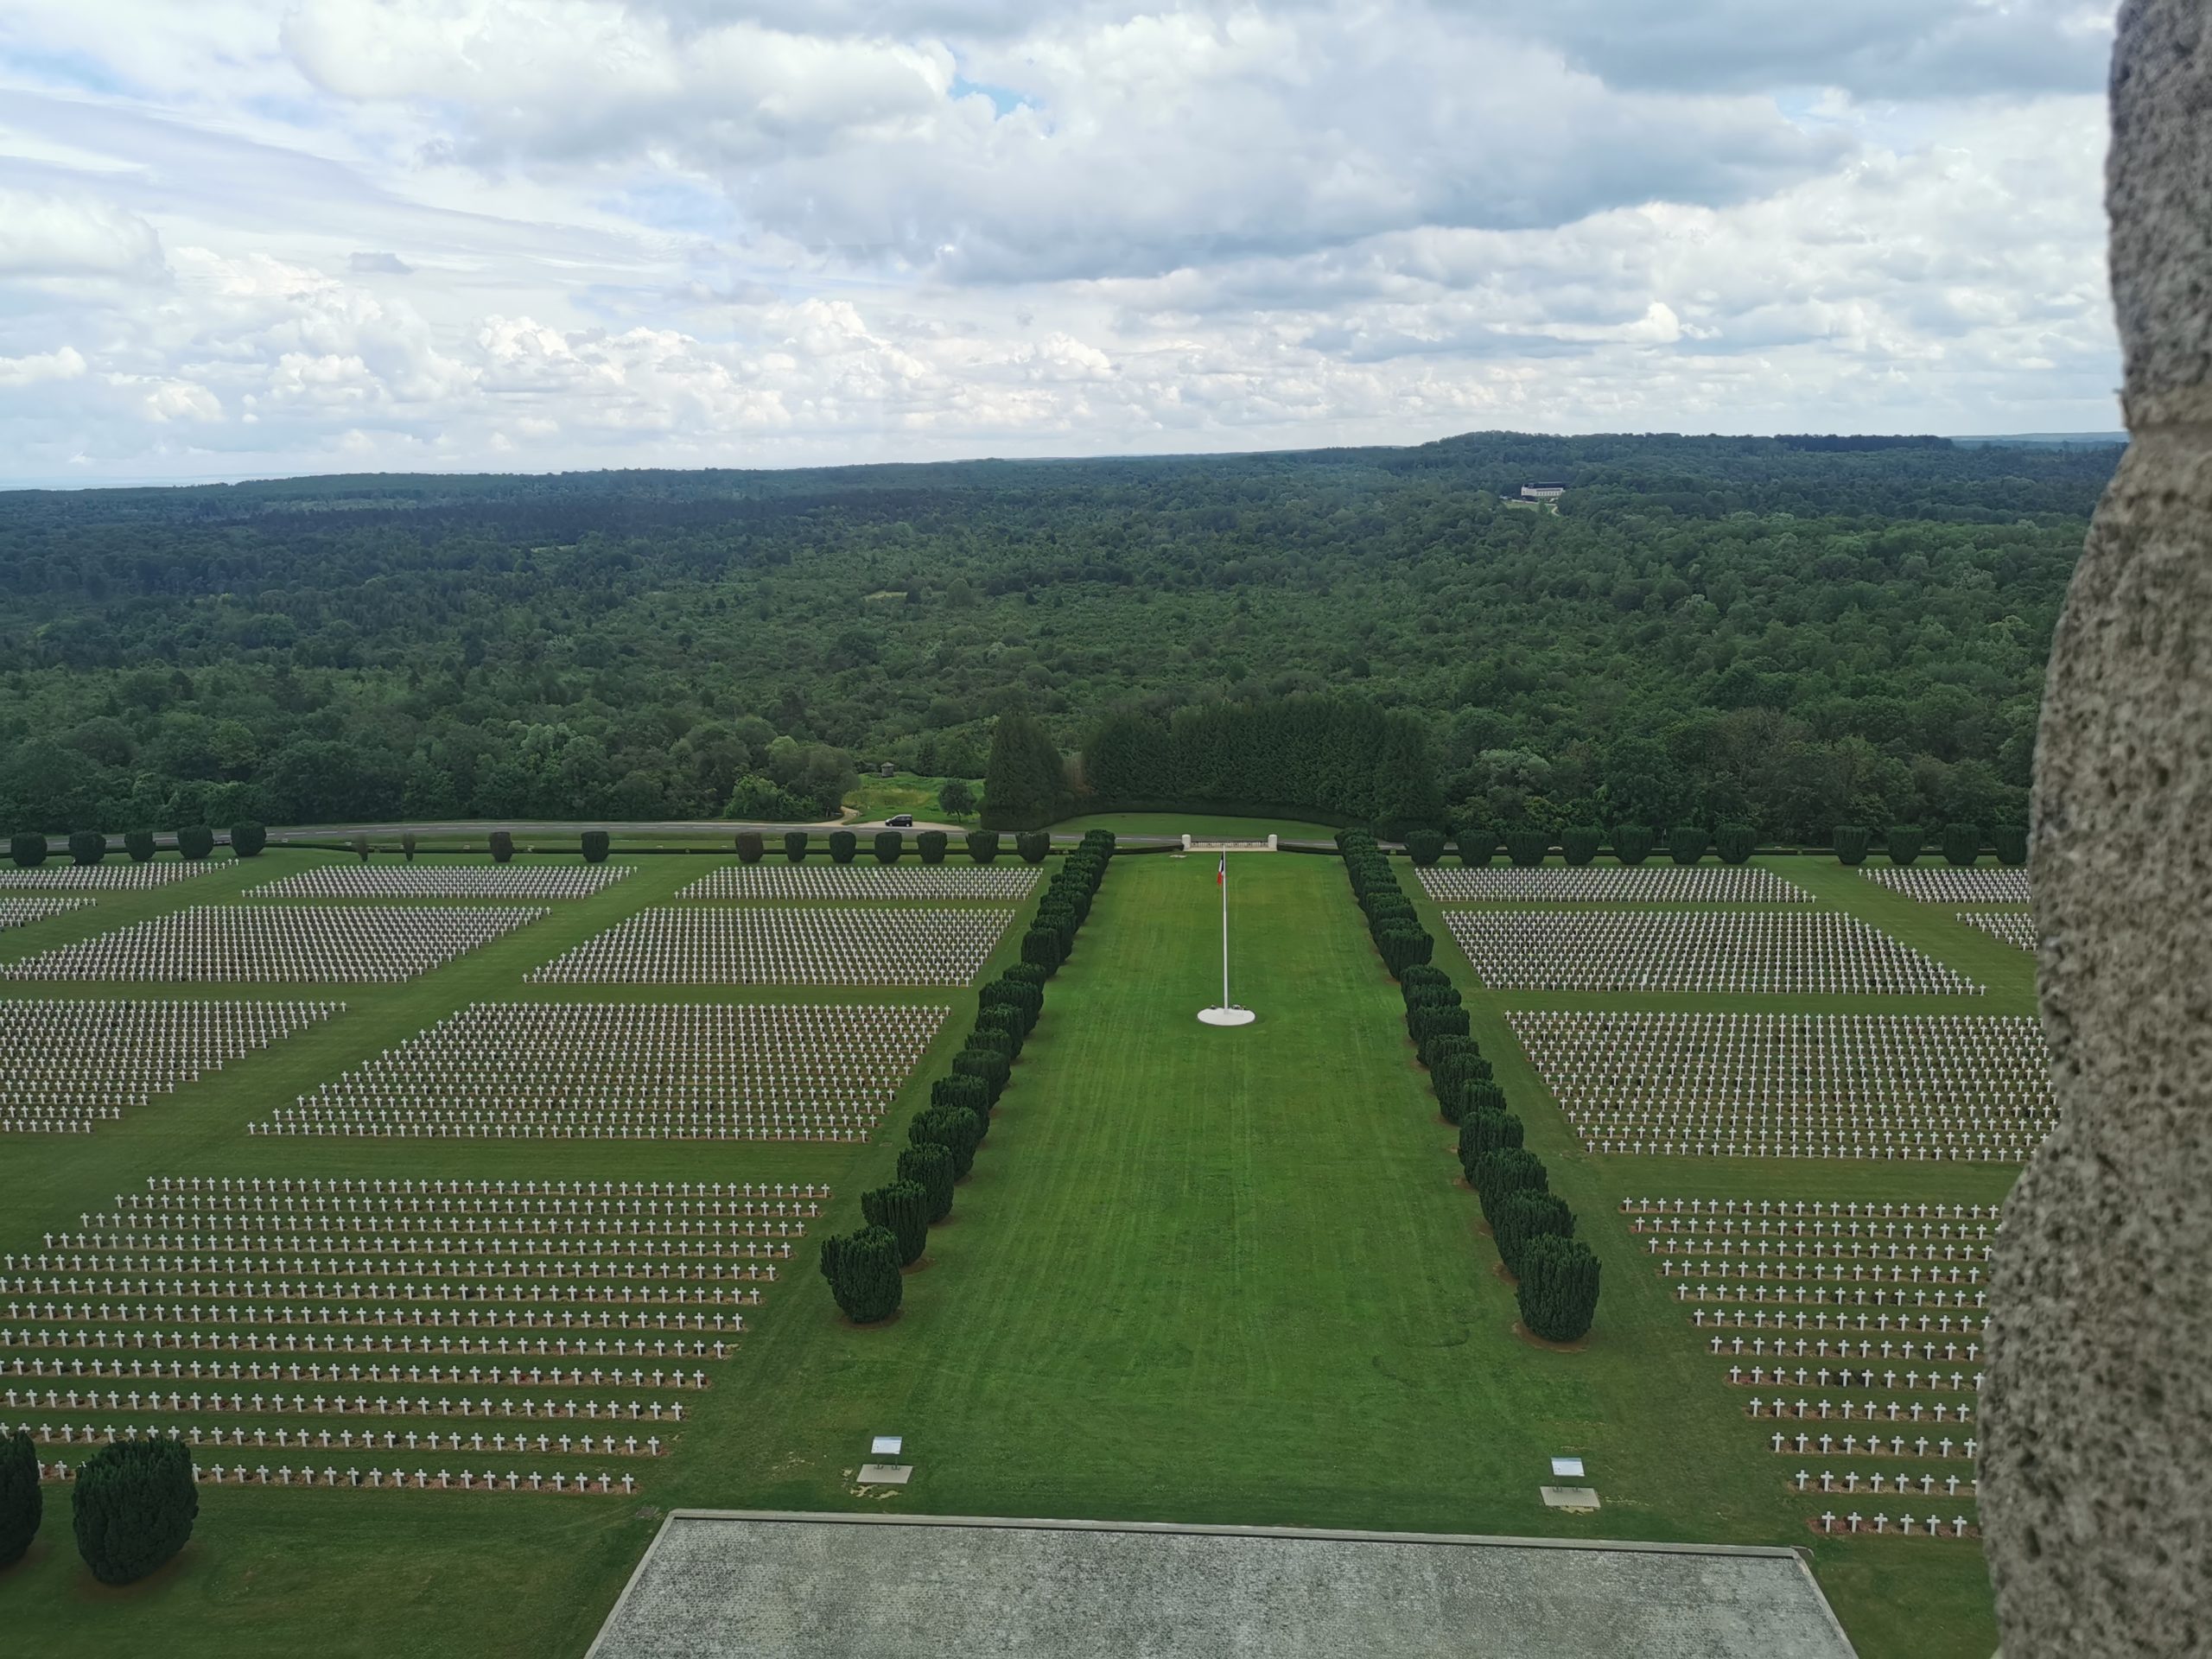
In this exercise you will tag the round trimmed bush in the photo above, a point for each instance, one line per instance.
(929, 1165)
(2009, 842)
(1905, 844)
(1527, 847)
(862, 1268)
(1559, 1287)
(1852, 840)
(957, 1131)
(887, 846)
(596, 843)
(1507, 1170)
(1736, 842)
(22, 1504)
(87, 848)
(752, 848)
(1478, 845)
(1522, 1217)
(1483, 1132)
(901, 1210)
(1424, 848)
(139, 844)
(1579, 847)
(1961, 844)
(503, 846)
(1033, 845)
(795, 845)
(195, 841)
(27, 851)
(249, 838)
(133, 1506)
(1633, 842)
(931, 844)
(982, 845)
(1687, 846)
(843, 843)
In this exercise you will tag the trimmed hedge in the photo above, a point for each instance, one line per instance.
(796, 842)
(889, 845)
(929, 1167)
(502, 845)
(931, 844)
(1735, 843)
(1526, 847)
(862, 1268)
(132, 1507)
(1687, 846)
(982, 845)
(1852, 840)
(22, 1504)
(27, 851)
(1905, 844)
(1522, 1218)
(843, 843)
(139, 844)
(2009, 842)
(752, 847)
(248, 839)
(1483, 1132)
(1478, 845)
(1579, 846)
(87, 848)
(1506, 1170)
(1961, 844)
(1633, 842)
(901, 1210)
(596, 843)
(1559, 1287)
(1033, 845)
(1424, 848)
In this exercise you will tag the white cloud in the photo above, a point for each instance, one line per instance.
(264, 235)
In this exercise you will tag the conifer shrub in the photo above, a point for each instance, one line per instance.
(1478, 845)
(931, 844)
(1735, 843)
(843, 843)
(26, 850)
(195, 841)
(963, 1091)
(360, 848)
(1905, 844)
(982, 845)
(901, 1209)
(1424, 848)
(503, 846)
(957, 1132)
(22, 1504)
(1482, 1134)
(1505, 1169)
(929, 1165)
(2009, 842)
(862, 1268)
(796, 842)
(249, 838)
(1961, 844)
(87, 848)
(1579, 846)
(752, 847)
(1522, 1216)
(132, 1507)
(1633, 842)
(993, 1067)
(407, 846)
(887, 846)
(139, 845)
(1687, 846)
(596, 843)
(1526, 847)
(1852, 840)
(1558, 1296)
(1033, 845)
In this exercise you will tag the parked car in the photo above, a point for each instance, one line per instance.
(900, 821)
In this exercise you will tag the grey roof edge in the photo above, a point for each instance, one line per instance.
(1331, 1535)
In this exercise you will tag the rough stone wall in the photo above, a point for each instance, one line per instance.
(2097, 1417)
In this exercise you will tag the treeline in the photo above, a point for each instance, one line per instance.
(1707, 631)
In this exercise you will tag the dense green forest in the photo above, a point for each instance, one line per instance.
(1787, 632)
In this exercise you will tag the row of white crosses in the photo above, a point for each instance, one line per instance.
(107, 877)
(307, 944)
(396, 1480)
(1863, 1393)
(2013, 927)
(22, 912)
(1972, 1087)
(448, 882)
(315, 1281)
(907, 881)
(784, 946)
(1650, 884)
(631, 1070)
(1775, 953)
(67, 1064)
(1955, 886)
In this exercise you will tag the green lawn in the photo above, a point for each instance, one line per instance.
(1197, 1274)
(873, 797)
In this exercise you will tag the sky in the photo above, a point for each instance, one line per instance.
(258, 238)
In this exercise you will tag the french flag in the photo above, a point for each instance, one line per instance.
(1221, 872)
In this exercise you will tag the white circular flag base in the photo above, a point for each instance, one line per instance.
(1227, 1016)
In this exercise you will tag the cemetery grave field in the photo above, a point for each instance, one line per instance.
(1000, 882)
(2015, 927)
(22, 912)
(1193, 1277)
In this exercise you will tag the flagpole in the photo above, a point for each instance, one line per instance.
(1225, 931)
